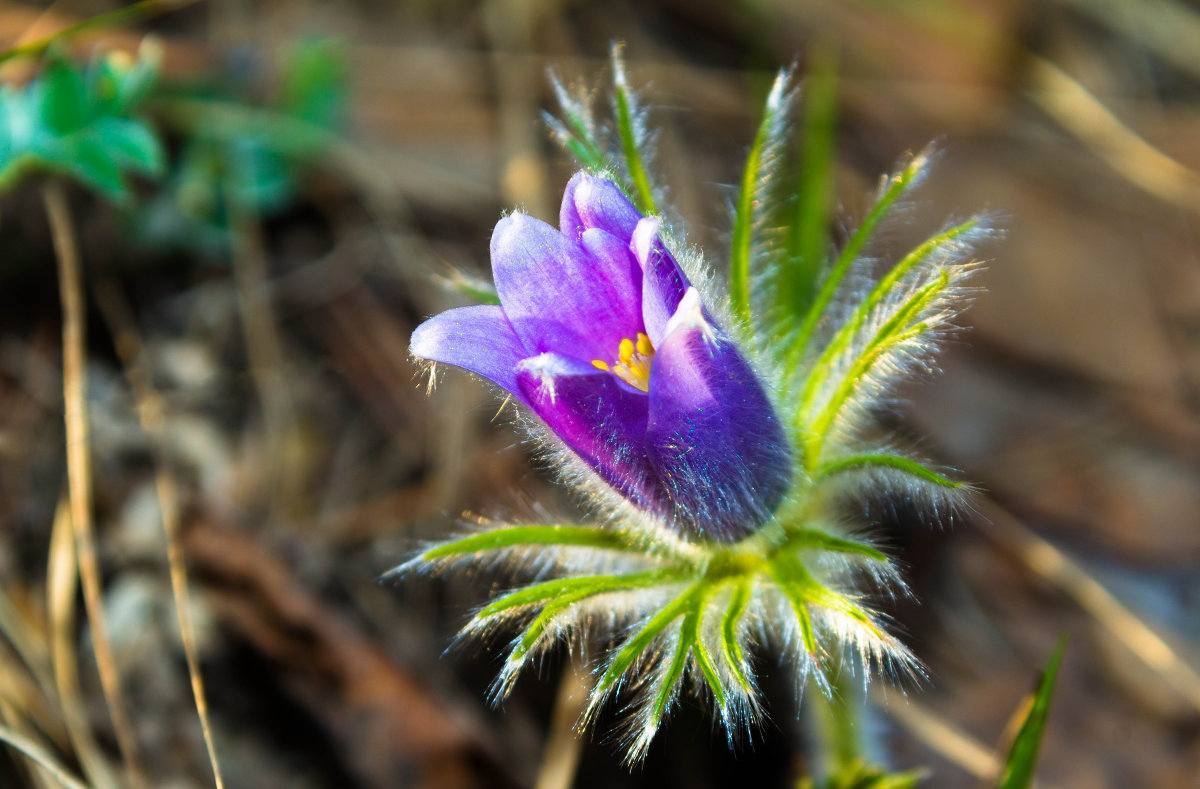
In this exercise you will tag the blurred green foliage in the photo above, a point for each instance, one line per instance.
(82, 123)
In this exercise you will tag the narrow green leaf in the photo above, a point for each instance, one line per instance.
(638, 643)
(729, 625)
(808, 237)
(812, 538)
(745, 215)
(692, 631)
(862, 313)
(627, 131)
(1023, 755)
(548, 590)
(547, 615)
(899, 328)
(516, 536)
(890, 461)
(577, 135)
(687, 637)
(895, 187)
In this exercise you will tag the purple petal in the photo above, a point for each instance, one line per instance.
(712, 435)
(591, 202)
(578, 299)
(663, 283)
(598, 419)
(479, 339)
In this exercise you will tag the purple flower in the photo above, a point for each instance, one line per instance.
(601, 335)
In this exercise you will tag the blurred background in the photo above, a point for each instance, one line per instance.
(264, 290)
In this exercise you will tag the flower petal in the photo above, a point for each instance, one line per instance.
(597, 418)
(578, 299)
(663, 283)
(479, 339)
(712, 435)
(592, 202)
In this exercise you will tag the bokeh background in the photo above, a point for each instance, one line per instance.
(309, 460)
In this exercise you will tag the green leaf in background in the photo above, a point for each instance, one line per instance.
(1023, 755)
(60, 100)
(808, 233)
(631, 134)
(130, 143)
(72, 122)
(314, 83)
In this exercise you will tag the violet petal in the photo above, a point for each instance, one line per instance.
(712, 435)
(600, 420)
(479, 339)
(663, 283)
(592, 202)
(559, 296)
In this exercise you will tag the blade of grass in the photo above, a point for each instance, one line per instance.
(150, 410)
(808, 238)
(1023, 755)
(627, 131)
(744, 218)
(79, 466)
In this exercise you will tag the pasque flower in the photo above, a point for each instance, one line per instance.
(601, 335)
(727, 441)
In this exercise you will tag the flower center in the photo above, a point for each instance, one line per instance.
(633, 362)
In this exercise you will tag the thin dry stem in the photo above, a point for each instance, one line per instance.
(150, 412)
(1066, 574)
(560, 759)
(79, 465)
(941, 736)
(62, 574)
(1139, 162)
(42, 757)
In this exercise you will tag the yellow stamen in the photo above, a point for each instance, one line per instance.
(633, 362)
(625, 351)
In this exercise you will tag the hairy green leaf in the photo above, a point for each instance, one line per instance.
(888, 461)
(750, 198)
(517, 536)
